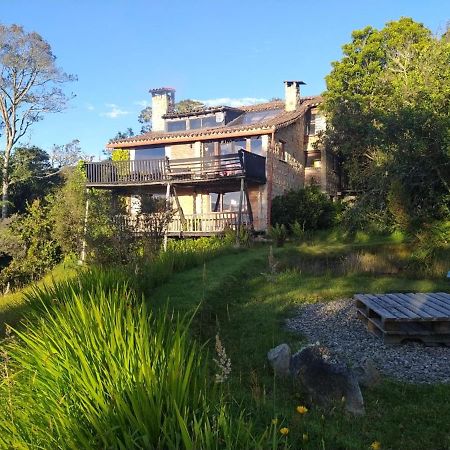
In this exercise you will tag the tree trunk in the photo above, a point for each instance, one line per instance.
(5, 182)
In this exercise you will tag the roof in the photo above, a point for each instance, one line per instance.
(267, 126)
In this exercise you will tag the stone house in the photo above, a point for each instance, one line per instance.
(221, 166)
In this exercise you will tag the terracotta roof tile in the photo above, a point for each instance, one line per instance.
(282, 120)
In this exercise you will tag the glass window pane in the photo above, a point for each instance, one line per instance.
(195, 123)
(208, 149)
(209, 121)
(150, 153)
(231, 202)
(256, 145)
(176, 125)
(226, 148)
(240, 144)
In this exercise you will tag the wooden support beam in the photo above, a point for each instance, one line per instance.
(179, 208)
(249, 206)
(168, 205)
(241, 201)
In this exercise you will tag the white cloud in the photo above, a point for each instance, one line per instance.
(142, 103)
(114, 112)
(236, 102)
(90, 107)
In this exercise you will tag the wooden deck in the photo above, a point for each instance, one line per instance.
(399, 317)
(183, 172)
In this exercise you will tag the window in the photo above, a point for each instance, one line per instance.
(317, 164)
(226, 148)
(312, 125)
(256, 146)
(282, 154)
(240, 144)
(176, 125)
(227, 202)
(256, 116)
(150, 153)
(195, 124)
(209, 149)
(209, 122)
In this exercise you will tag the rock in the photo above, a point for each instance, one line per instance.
(367, 374)
(280, 358)
(326, 383)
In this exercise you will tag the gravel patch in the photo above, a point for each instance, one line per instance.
(336, 326)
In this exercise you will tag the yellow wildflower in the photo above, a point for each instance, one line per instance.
(302, 409)
(284, 431)
(305, 437)
(375, 445)
(274, 421)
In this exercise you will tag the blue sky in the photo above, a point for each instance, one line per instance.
(207, 50)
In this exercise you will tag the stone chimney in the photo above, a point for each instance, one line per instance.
(292, 94)
(163, 101)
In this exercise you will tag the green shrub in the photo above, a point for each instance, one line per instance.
(309, 207)
(279, 234)
(101, 371)
(37, 251)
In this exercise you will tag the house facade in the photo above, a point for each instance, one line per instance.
(221, 166)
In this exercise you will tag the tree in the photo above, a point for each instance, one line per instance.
(29, 88)
(32, 176)
(67, 155)
(387, 108)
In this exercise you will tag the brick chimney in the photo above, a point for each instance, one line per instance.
(163, 100)
(292, 94)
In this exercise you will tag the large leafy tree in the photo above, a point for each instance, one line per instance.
(30, 86)
(387, 104)
(32, 176)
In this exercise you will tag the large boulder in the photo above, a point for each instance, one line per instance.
(367, 373)
(326, 383)
(280, 360)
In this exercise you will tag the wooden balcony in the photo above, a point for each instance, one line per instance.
(190, 171)
(210, 224)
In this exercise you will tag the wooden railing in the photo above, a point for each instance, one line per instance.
(198, 224)
(153, 171)
(215, 222)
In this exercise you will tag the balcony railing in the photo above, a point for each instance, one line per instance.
(154, 171)
(194, 224)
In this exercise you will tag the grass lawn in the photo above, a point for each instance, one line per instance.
(246, 306)
(13, 306)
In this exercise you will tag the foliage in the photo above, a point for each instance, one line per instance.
(29, 87)
(32, 176)
(39, 250)
(100, 370)
(68, 211)
(432, 249)
(249, 308)
(123, 135)
(387, 107)
(278, 233)
(309, 207)
(67, 155)
(120, 154)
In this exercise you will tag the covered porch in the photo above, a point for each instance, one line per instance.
(192, 225)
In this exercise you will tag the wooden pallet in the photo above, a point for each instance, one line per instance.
(402, 317)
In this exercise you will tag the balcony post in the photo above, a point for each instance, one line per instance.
(239, 222)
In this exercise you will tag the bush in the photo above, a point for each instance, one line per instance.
(32, 232)
(279, 234)
(312, 209)
(100, 371)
